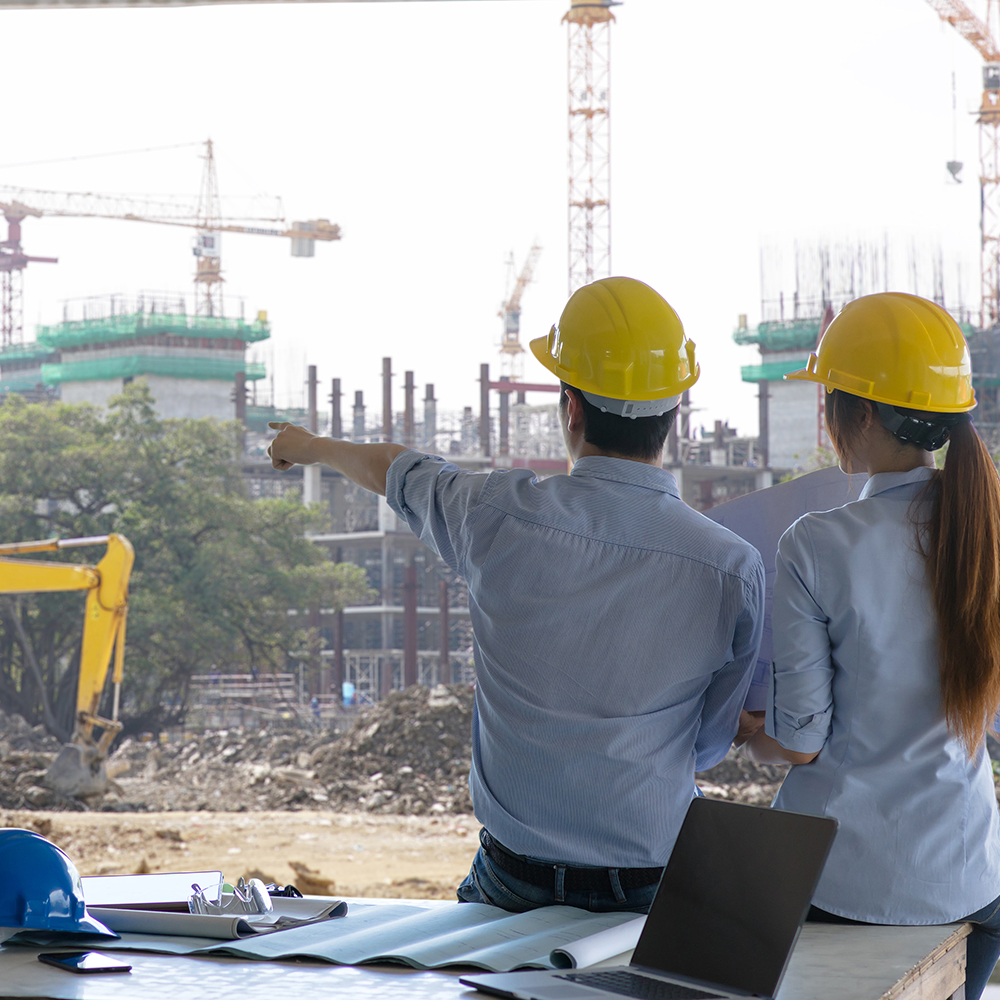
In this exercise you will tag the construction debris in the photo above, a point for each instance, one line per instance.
(408, 756)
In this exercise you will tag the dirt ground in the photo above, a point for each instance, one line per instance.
(344, 854)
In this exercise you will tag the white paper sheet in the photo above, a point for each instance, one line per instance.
(761, 518)
(598, 947)
(224, 928)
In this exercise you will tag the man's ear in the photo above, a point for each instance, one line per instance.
(574, 411)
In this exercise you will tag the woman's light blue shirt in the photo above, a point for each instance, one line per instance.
(855, 677)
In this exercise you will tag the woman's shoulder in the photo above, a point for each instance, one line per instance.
(847, 525)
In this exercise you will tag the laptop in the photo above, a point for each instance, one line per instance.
(726, 915)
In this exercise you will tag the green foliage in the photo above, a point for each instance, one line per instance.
(219, 579)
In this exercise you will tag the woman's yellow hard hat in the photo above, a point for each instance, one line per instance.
(897, 349)
(620, 343)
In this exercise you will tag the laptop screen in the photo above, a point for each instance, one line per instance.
(734, 895)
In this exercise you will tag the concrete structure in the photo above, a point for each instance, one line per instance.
(190, 362)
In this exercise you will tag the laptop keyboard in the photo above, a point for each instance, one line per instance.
(628, 984)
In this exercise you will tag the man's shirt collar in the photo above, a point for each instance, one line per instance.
(623, 470)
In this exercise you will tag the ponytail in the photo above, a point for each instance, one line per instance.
(961, 543)
(963, 563)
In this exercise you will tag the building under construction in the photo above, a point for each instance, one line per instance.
(190, 362)
(801, 293)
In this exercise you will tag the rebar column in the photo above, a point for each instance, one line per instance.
(387, 399)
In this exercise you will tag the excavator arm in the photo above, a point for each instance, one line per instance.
(79, 768)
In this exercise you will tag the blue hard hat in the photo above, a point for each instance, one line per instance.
(40, 888)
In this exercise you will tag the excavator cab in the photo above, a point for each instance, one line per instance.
(78, 770)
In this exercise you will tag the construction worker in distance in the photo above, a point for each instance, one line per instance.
(886, 621)
(615, 629)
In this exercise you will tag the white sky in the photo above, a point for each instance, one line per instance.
(435, 135)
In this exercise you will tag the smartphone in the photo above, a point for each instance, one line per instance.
(84, 962)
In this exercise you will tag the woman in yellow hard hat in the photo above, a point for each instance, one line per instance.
(886, 618)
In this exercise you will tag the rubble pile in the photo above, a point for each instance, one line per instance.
(409, 755)
(739, 780)
(25, 755)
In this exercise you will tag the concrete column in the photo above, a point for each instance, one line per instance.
(338, 656)
(359, 417)
(444, 663)
(504, 447)
(408, 427)
(240, 398)
(763, 420)
(387, 399)
(430, 418)
(311, 477)
(313, 384)
(410, 624)
(484, 409)
(336, 427)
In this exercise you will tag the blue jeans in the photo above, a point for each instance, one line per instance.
(982, 945)
(487, 883)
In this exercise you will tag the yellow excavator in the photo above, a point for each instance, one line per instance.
(79, 768)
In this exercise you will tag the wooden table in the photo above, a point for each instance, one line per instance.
(830, 962)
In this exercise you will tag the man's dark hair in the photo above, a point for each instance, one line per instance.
(641, 438)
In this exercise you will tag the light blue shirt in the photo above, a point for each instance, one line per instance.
(855, 677)
(615, 632)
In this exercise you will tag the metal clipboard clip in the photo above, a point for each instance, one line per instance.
(246, 898)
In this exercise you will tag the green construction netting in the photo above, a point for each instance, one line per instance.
(78, 332)
(220, 369)
(773, 371)
(23, 352)
(258, 417)
(18, 383)
(781, 335)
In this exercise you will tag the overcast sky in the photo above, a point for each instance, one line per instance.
(435, 135)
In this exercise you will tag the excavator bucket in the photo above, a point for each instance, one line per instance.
(78, 771)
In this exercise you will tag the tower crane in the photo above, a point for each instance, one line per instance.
(205, 216)
(979, 33)
(510, 313)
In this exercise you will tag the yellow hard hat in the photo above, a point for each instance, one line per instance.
(897, 349)
(621, 344)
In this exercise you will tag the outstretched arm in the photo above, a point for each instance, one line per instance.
(364, 464)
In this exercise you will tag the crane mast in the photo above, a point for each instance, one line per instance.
(589, 23)
(979, 33)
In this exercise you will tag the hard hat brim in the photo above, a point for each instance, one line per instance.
(866, 390)
(540, 349)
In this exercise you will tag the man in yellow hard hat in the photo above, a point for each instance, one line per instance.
(615, 629)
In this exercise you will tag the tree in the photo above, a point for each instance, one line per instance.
(218, 577)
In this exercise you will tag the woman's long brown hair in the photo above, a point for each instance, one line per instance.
(961, 543)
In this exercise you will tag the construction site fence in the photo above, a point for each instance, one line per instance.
(221, 700)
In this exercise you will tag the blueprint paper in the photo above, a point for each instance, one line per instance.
(761, 518)
(466, 934)
(462, 934)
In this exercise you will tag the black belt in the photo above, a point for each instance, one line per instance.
(541, 874)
